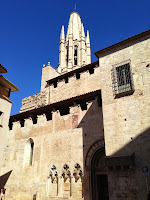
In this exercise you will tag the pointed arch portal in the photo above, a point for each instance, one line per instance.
(95, 164)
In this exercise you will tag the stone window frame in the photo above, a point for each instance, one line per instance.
(128, 90)
(29, 153)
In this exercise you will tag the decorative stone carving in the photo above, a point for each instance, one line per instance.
(53, 174)
(77, 173)
(66, 173)
(34, 101)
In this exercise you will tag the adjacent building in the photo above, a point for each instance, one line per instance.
(6, 87)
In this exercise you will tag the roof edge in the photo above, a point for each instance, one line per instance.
(3, 68)
(15, 88)
(120, 44)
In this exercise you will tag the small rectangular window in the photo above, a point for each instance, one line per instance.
(1, 117)
(122, 79)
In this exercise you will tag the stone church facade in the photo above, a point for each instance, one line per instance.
(86, 134)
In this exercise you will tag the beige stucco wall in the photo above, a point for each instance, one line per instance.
(55, 143)
(5, 107)
(127, 119)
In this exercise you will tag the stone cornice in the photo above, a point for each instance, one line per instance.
(57, 106)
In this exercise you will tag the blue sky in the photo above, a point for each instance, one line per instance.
(30, 32)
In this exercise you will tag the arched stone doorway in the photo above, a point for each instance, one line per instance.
(99, 181)
(95, 164)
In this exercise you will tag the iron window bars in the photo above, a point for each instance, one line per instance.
(122, 79)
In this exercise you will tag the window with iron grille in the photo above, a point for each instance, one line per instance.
(122, 79)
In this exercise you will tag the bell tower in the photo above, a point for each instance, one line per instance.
(75, 50)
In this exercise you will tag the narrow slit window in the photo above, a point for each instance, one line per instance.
(31, 153)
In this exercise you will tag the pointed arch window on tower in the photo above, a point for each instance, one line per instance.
(67, 56)
(75, 55)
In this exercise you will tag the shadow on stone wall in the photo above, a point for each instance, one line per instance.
(92, 132)
(125, 166)
(92, 126)
(126, 169)
(139, 144)
(4, 178)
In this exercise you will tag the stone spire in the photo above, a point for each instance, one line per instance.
(62, 50)
(75, 51)
(88, 48)
(62, 35)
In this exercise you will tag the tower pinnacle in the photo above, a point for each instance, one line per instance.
(62, 35)
(75, 50)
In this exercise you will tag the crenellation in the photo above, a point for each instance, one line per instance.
(16, 125)
(61, 91)
(42, 119)
(28, 122)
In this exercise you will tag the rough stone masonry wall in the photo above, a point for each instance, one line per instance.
(127, 119)
(75, 87)
(55, 143)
